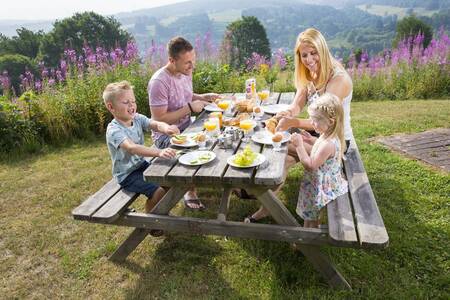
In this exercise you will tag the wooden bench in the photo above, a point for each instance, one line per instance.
(354, 219)
(106, 205)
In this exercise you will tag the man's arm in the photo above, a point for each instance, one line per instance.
(159, 113)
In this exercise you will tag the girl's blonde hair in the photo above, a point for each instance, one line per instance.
(302, 76)
(328, 108)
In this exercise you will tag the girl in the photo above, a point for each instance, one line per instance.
(321, 157)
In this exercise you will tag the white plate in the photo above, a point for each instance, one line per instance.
(190, 142)
(258, 160)
(194, 158)
(212, 107)
(273, 109)
(265, 137)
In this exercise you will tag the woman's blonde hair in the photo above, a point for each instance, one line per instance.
(328, 108)
(315, 39)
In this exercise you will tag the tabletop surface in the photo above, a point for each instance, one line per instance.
(270, 173)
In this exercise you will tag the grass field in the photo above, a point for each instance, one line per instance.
(45, 254)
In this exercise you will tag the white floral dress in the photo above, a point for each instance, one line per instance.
(320, 187)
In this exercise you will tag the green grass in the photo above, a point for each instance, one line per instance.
(44, 253)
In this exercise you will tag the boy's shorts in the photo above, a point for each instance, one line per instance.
(135, 182)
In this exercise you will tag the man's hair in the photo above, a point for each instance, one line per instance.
(177, 46)
(114, 89)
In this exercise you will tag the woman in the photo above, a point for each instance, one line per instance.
(316, 72)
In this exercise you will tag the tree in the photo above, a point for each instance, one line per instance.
(25, 43)
(242, 38)
(87, 28)
(411, 27)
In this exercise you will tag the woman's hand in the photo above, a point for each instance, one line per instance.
(285, 123)
(283, 114)
(167, 153)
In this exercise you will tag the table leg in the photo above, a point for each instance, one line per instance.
(319, 260)
(170, 199)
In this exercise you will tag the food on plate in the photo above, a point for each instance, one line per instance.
(200, 137)
(271, 124)
(201, 159)
(235, 121)
(277, 137)
(179, 139)
(245, 105)
(245, 157)
(257, 109)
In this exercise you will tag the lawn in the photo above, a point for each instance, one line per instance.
(44, 253)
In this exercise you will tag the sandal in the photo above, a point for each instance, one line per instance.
(156, 232)
(241, 193)
(188, 202)
(250, 219)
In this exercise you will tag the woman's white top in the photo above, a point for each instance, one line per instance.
(313, 94)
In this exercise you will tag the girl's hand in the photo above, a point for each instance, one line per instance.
(172, 130)
(296, 140)
(167, 153)
(307, 137)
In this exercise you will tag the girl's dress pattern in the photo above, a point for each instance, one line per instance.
(320, 187)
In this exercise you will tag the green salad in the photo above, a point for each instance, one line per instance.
(245, 157)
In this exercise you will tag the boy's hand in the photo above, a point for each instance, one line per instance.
(296, 140)
(197, 105)
(167, 153)
(172, 130)
(210, 97)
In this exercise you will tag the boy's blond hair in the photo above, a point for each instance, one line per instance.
(114, 89)
(329, 107)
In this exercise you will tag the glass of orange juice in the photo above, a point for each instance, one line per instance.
(217, 114)
(211, 126)
(246, 126)
(225, 106)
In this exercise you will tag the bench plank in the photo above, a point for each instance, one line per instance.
(95, 201)
(341, 227)
(369, 224)
(114, 207)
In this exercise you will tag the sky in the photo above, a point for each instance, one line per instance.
(51, 10)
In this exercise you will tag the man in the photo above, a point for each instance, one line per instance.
(172, 99)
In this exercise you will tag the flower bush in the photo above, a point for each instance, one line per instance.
(58, 104)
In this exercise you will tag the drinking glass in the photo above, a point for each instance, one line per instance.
(246, 126)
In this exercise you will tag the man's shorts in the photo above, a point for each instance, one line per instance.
(135, 182)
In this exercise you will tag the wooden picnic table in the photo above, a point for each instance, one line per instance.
(353, 220)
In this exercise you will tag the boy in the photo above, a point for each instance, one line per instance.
(125, 140)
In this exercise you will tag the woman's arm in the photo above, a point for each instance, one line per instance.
(340, 86)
